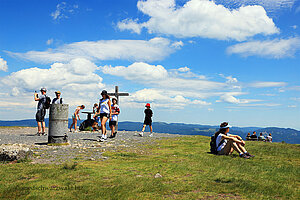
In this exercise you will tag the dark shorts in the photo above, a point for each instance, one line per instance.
(40, 115)
(148, 121)
(112, 123)
(104, 115)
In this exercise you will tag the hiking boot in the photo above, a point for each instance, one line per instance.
(244, 156)
(248, 154)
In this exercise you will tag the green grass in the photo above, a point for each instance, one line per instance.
(188, 172)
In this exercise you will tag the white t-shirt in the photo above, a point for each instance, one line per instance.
(219, 139)
(104, 108)
(115, 108)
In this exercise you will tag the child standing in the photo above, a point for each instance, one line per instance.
(75, 116)
(113, 121)
(148, 121)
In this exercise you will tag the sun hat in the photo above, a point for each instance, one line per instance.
(225, 125)
(57, 92)
(147, 105)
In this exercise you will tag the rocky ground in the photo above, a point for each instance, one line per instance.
(83, 145)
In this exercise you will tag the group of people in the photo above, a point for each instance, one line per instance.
(106, 110)
(225, 143)
(43, 103)
(259, 138)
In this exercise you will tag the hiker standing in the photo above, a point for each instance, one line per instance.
(105, 113)
(75, 116)
(41, 111)
(148, 120)
(113, 121)
(57, 99)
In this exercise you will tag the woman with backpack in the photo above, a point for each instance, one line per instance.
(226, 143)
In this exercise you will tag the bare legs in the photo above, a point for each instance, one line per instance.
(231, 146)
(41, 127)
(103, 122)
(74, 123)
(112, 128)
(144, 126)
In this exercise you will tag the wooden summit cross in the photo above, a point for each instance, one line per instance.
(118, 94)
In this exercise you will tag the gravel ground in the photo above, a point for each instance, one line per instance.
(83, 145)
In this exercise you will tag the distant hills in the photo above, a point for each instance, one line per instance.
(287, 135)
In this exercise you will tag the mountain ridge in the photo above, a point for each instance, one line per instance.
(287, 135)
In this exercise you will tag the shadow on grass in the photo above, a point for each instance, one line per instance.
(232, 155)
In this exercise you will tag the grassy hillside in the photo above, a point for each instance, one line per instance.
(187, 170)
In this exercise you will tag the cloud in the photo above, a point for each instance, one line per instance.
(267, 84)
(162, 98)
(295, 98)
(229, 98)
(50, 41)
(158, 76)
(297, 9)
(138, 72)
(3, 65)
(63, 11)
(78, 85)
(201, 18)
(277, 48)
(270, 5)
(134, 50)
(292, 106)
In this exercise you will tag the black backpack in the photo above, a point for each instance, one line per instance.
(47, 103)
(213, 143)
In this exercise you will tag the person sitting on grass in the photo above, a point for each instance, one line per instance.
(226, 143)
(269, 138)
(261, 137)
(248, 137)
(253, 136)
(75, 116)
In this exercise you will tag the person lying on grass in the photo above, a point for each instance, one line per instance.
(227, 143)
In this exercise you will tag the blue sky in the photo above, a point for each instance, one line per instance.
(195, 61)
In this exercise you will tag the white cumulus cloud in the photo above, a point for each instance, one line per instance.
(162, 98)
(77, 81)
(277, 48)
(201, 18)
(158, 76)
(3, 65)
(135, 50)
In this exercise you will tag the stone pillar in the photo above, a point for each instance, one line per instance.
(58, 123)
